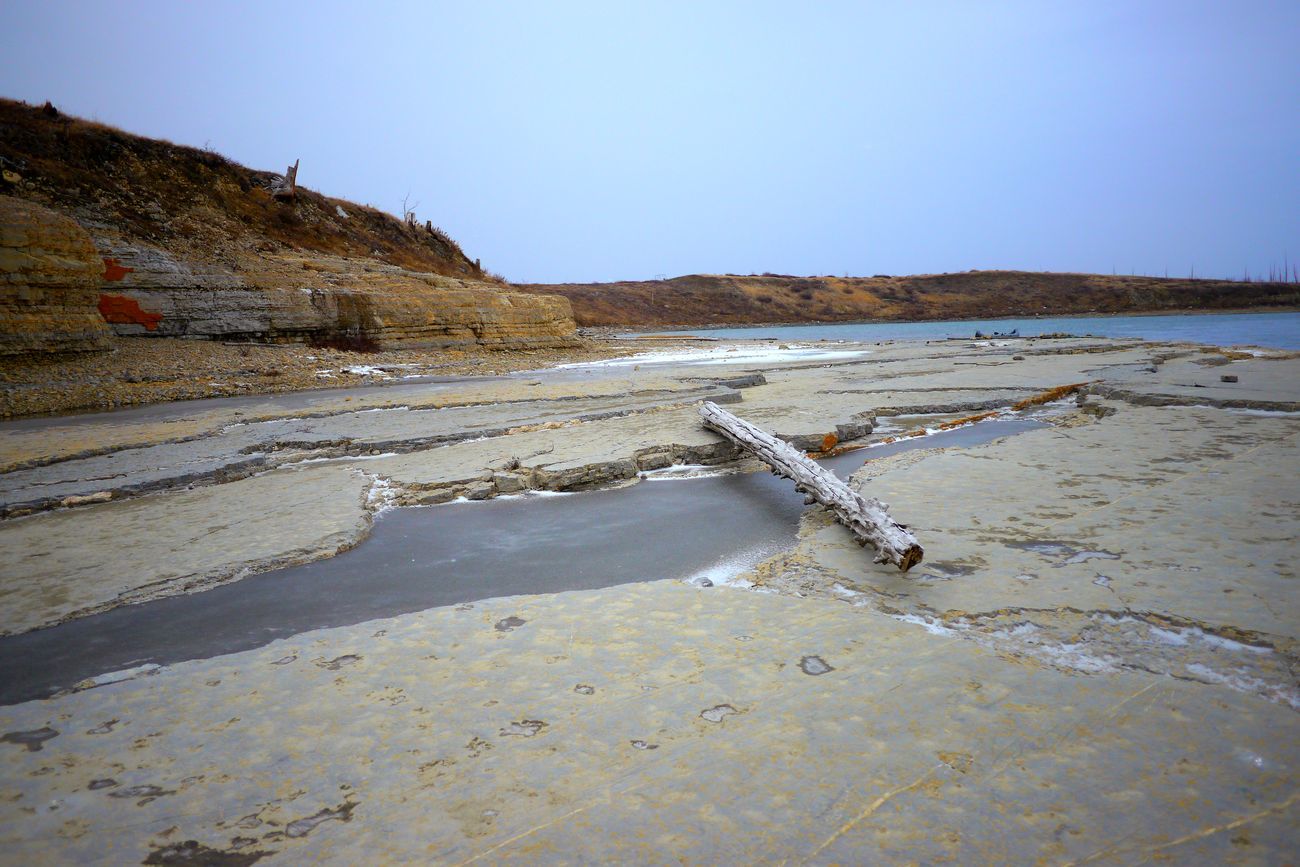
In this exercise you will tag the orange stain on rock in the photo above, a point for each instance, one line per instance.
(120, 310)
(114, 271)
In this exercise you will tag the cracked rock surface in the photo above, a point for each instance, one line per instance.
(1095, 663)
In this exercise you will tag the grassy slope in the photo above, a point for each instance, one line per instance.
(196, 203)
(710, 299)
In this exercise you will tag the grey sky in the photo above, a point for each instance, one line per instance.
(603, 141)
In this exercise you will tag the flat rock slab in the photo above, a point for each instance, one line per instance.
(239, 449)
(74, 562)
(1151, 509)
(647, 723)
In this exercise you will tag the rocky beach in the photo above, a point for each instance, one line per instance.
(323, 543)
(1094, 663)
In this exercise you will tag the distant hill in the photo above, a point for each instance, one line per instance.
(706, 299)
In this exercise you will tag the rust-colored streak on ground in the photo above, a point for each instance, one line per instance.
(114, 270)
(121, 310)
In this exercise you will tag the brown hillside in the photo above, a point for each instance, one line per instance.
(192, 245)
(196, 202)
(704, 299)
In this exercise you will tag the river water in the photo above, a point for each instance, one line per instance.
(1275, 330)
(424, 557)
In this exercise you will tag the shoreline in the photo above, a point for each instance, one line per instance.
(1191, 311)
(143, 371)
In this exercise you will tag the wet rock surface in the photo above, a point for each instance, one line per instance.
(49, 279)
(1103, 634)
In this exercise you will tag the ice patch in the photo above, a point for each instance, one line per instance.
(727, 572)
(119, 676)
(723, 355)
(381, 496)
(341, 459)
(365, 370)
(929, 624)
(685, 471)
(1085, 556)
(1246, 683)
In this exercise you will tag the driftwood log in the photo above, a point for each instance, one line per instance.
(866, 517)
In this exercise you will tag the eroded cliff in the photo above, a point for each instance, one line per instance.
(176, 241)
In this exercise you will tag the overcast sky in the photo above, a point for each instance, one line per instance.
(612, 140)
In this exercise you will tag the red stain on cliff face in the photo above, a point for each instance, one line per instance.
(113, 271)
(126, 311)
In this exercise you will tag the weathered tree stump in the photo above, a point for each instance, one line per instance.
(286, 188)
(866, 517)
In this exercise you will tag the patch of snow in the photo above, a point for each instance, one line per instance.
(365, 370)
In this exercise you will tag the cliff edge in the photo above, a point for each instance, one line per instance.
(157, 239)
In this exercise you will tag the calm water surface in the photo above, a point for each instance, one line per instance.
(1276, 330)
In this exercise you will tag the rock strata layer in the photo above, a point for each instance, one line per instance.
(306, 297)
(49, 278)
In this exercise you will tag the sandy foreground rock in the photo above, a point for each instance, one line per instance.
(1094, 664)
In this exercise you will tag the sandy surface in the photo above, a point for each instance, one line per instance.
(1094, 664)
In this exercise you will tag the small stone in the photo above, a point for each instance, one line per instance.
(815, 666)
(1228, 377)
(718, 713)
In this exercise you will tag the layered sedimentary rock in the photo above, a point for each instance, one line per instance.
(195, 245)
(49, 279)
(304, 297)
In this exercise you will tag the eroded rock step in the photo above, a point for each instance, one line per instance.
(239, 450)
(423, 558)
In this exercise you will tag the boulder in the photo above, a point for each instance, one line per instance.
(49, 283)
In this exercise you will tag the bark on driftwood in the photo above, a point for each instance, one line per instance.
(866, 517)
